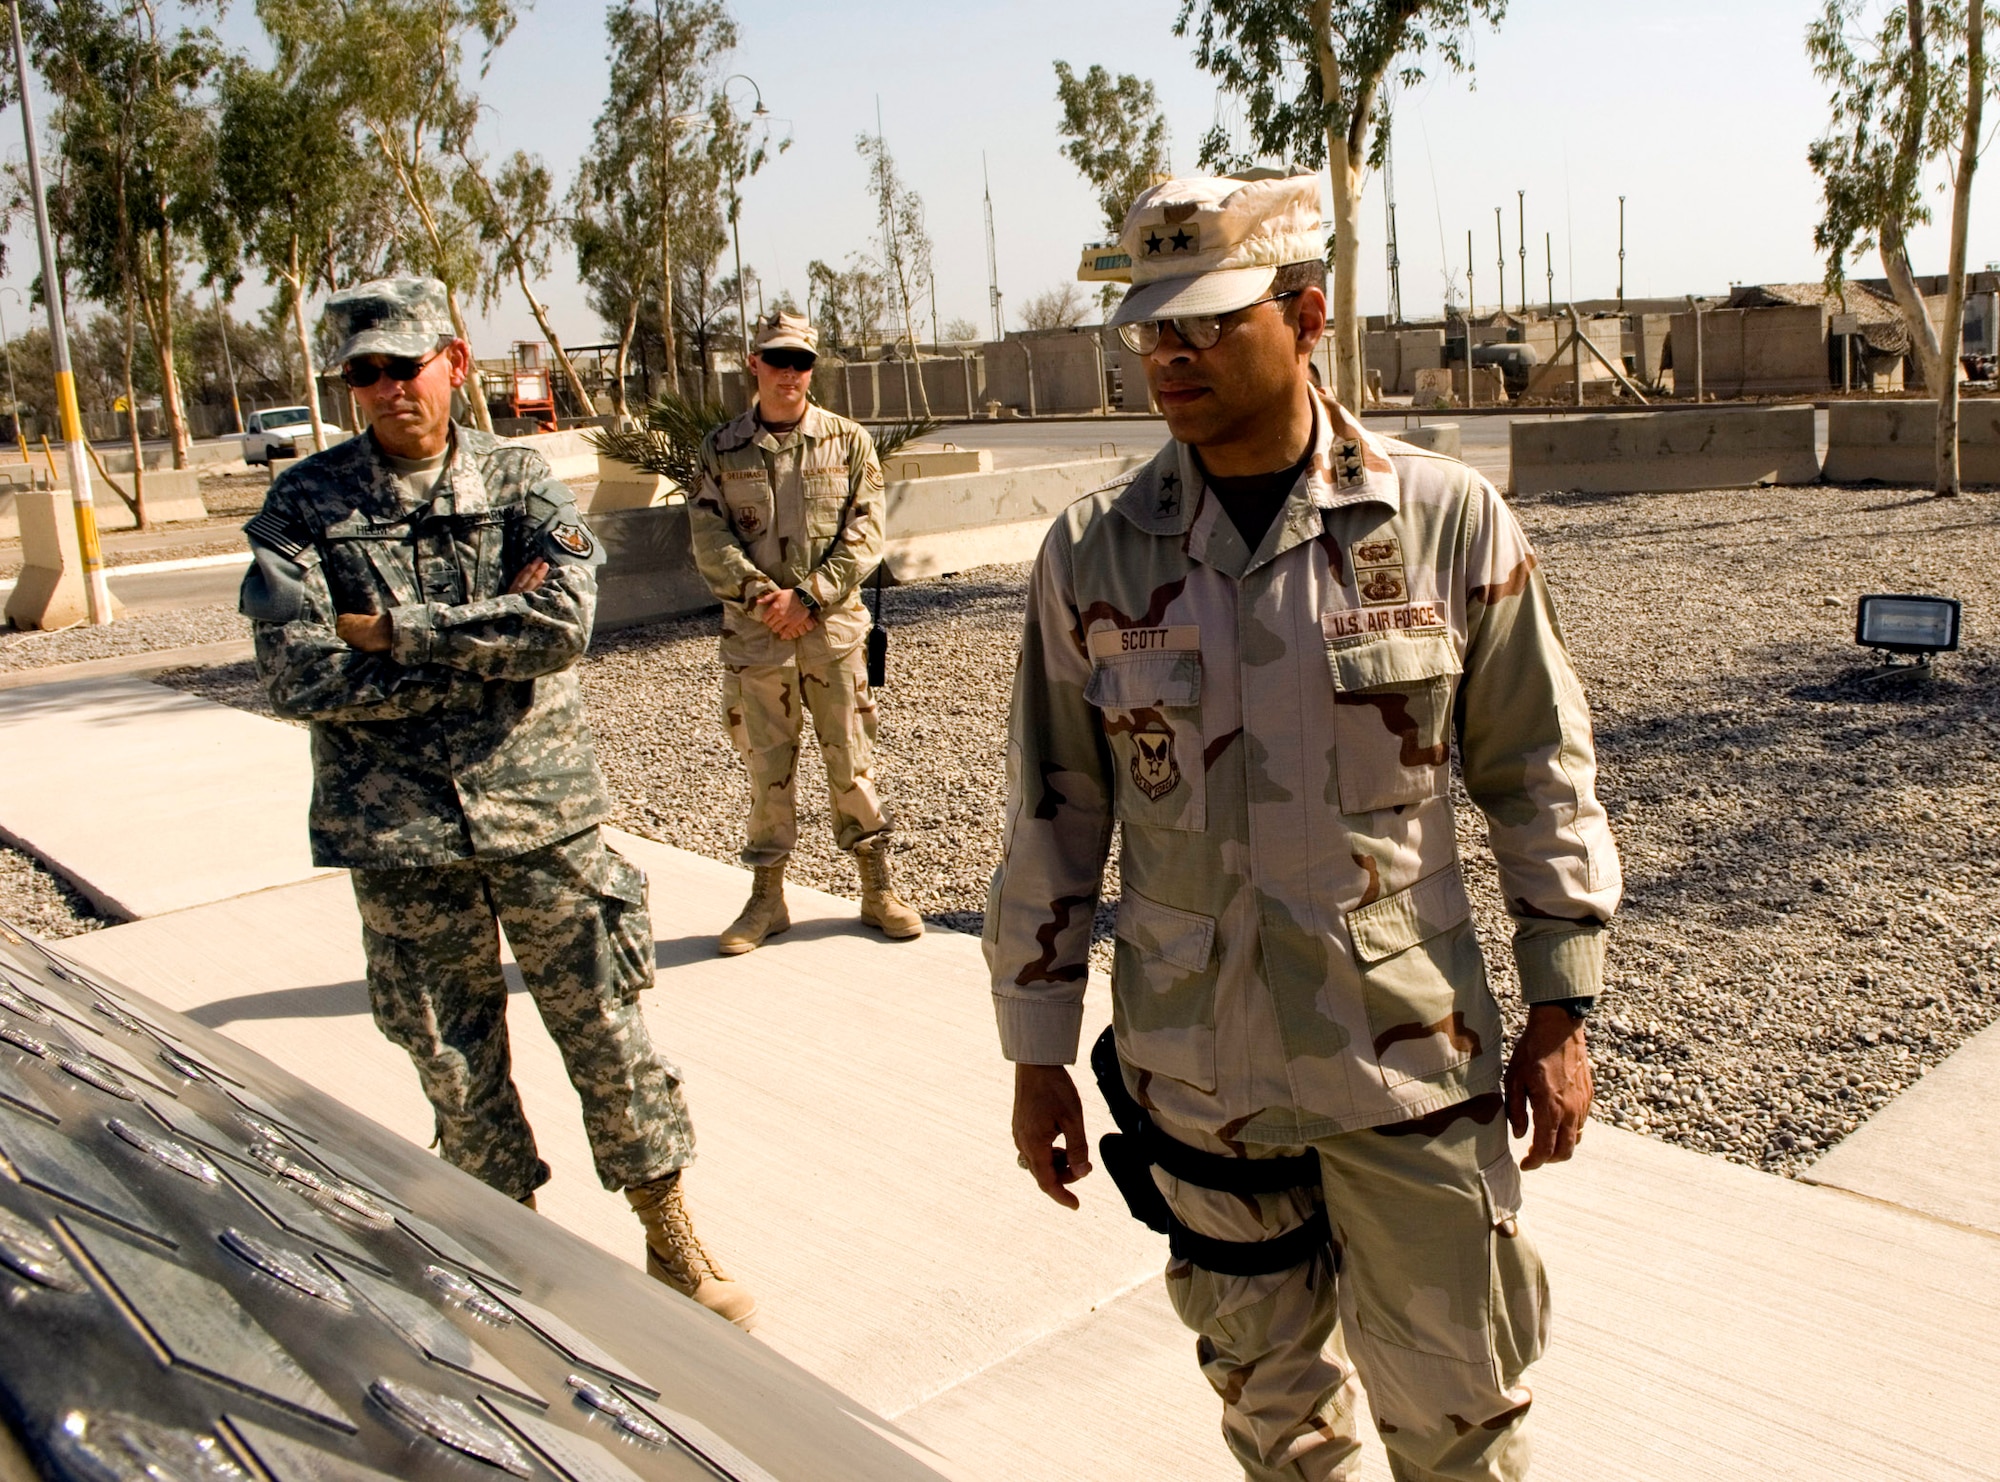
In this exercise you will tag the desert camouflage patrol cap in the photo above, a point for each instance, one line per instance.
(1210, 244)
(778, 330)
(388, 316)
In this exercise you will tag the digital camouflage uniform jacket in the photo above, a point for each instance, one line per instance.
(1295, 953)
(467, 739)
(764, 517)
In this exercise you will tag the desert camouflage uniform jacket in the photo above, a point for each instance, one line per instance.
(1295, 953)
(467, 739)
(764, 517)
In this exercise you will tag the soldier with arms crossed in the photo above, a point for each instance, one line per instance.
(421, 595)
(1253, 658)
(787, 524)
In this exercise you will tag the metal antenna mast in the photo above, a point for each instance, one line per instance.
(1521, 235)
(1395, 255)
(1500, 245)
(1621, 254)
(992, 256)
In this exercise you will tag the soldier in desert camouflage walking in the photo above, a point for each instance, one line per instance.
(421, 595)
(1252, 659)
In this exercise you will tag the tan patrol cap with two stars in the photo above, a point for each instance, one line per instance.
(1211, 244)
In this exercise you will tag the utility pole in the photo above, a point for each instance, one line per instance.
(1549, 245)
(1471, 391)
(992, 257)
(666, 213)
(1521, 237)
(1395, 255)
(96, 590)
(222, 324)
(1621, 254)
(736, 211)
(1500, 245)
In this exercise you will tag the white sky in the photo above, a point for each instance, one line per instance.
(1699, 112)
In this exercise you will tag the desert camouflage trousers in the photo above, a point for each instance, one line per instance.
(1437, 1306)
(575, 915)
(764, 707)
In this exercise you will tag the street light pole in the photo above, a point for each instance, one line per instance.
(13, 396)
(736, 211)
(96, 589)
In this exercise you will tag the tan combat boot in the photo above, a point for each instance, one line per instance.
(881, 907)
(764, 915)
(675, 1256)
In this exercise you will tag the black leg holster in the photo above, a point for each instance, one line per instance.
(1138, 1146)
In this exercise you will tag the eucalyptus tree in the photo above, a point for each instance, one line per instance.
(1310, 77)
(1908, 90)
(400, 68)
(289, 172)
(903, 246)
(518, 218)
(135, 127)
(1115, 135)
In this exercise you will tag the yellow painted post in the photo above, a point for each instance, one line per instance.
(91, 555)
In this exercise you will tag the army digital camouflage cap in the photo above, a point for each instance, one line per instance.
(1210, 244)
(778, 330)
(388, 316)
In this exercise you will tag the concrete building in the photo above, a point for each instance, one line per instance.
(1791, 339)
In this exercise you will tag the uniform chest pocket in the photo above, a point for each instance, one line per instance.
(1151, 709)
(750, 504)
(826, 497)
(1392, 718)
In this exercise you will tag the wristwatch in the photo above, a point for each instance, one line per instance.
(1578, 1008)
(811, 603)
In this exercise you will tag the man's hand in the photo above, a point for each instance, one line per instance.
(1045, 1108)
(369, 632)
(1550, 1073)
(529, 578)
(784, 614)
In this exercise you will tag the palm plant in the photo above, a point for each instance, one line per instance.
(669, 440)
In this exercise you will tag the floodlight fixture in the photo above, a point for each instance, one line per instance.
(1905, 623)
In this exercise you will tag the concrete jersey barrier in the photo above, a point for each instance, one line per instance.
(1895, 442)
(1661, 452)
(951, 522)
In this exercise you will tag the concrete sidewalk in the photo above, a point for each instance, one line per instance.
(1711, 1321)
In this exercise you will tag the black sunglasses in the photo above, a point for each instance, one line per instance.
(360, 374)
(791, 360)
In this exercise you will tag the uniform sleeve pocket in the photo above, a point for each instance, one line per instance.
(1392, 718)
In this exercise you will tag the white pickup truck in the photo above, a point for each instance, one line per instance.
(282, 432)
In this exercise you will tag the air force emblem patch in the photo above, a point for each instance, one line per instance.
(1155, 770)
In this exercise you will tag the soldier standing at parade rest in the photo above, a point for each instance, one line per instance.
(1253, 657)
(421, 595)
(787, 524)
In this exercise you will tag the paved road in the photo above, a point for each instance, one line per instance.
(1020, 444)
(177, 591)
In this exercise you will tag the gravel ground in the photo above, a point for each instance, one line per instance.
(1811, 861)
(37, 900)
(141, 632)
